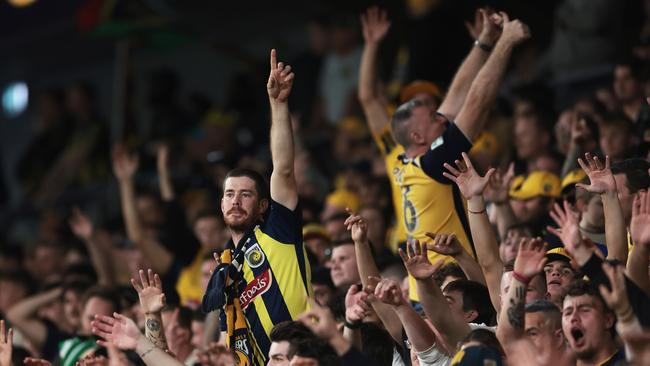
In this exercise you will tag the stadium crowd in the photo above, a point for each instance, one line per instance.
(496, 221)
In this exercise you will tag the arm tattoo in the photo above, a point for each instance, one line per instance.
(154, 330)
(516, 309)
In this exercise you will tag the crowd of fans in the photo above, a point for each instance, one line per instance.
(497, 222)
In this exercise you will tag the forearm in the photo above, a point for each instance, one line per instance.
(367, 268)
(637, 267)
(615, 228)
(23, 316)
(511, 319)
(462, 81)
(165, 183)
(487, 248)
(152, 355)
(353, 336)
(282, 149)
(483, 90)
(470, 267)
(436, 308)
(154, 330)
(367, 73)
(418, 332)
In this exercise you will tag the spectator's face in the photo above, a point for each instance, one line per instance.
(208, 230)
(72, 308)
(323, 294)
(614, 141)
(563, 131)
(94, 305)
(343, 266)
(318, 245)
(149, 211)
(624, 196)
(198, 331)
(47, 262)
(509, 247)
(626, 87)
(531, 210)
(425, 126)
(559, 276)
(529, 140)
(455, 302)
(240, 204)
(278, 354)
(586, 325)
(539, 330)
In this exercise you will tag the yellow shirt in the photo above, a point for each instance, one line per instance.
(431, 202)
(391, 151)
(188, 284)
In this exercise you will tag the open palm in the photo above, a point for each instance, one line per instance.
(416, 261)
(152, 298)
(6, 344)
(375, 25)
(601, 179)
(119, 331)
(470, 183)
(568, 229)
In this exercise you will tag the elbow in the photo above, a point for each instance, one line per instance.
(365, 96)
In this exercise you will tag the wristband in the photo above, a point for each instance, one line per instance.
(476, 212)
(147, 351)
(355, 325)
(520, 278)
(485, 47)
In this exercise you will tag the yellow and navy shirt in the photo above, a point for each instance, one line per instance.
(431, 202)
(391, 150)
(273, 275)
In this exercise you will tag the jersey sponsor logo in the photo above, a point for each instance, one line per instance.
(436, 143)
(255, 288)
(254, 256)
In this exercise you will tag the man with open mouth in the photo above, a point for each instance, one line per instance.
(588, 326)
(559, 274)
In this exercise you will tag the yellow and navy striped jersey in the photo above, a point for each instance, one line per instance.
(273, 273)
(391, 150)
(431, 202)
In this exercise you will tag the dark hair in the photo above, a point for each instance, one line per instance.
(485, 337)
(260, 183)
(475, 297)
(636, 172)
(322, 276)
(449, 269)
(520, 226)
(290, 331)
(377, 344)
(581, 287)
(636, 66)
(344, 241)
(550, 310)
(316, 348)
(107, 294)
(400, 117)
(78, 286)
(198, 316)
(618, 121)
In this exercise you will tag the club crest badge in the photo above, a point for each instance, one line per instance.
(254, 256)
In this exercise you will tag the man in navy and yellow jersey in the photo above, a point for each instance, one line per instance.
(264, 276)
(432, 203)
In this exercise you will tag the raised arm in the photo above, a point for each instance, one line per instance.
(375, 25)
(358, 228)
(460, 85)
(497, 192)
(83, 228)
(419, 333)
(124, 167)
(601, 181)
(486, 85)
(637, 263)
(529, 263)
(152, 301)
(283, 182)
(164, 178)
(472, 186)
(24, 316)
(433, 301)
(449, 245)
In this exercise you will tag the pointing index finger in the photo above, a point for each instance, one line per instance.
(274, 63)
